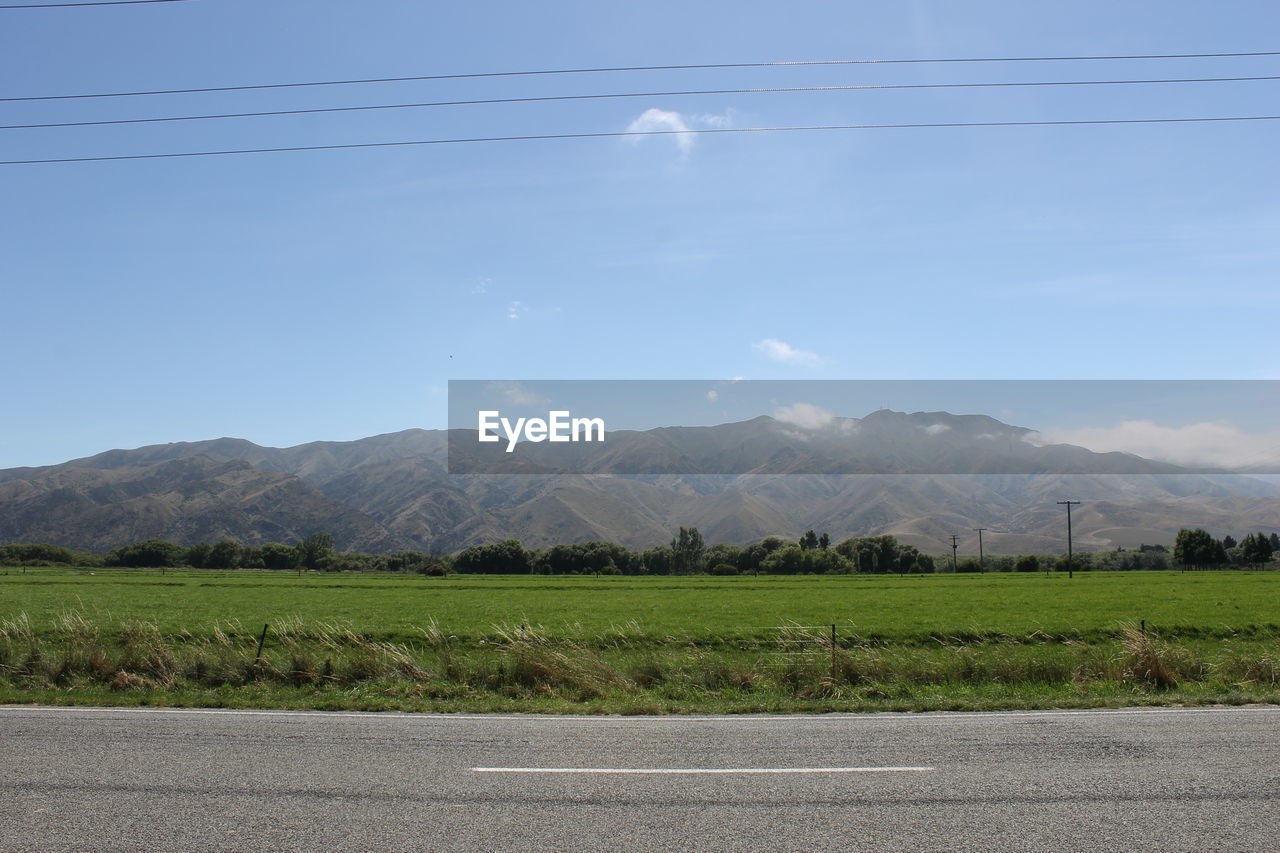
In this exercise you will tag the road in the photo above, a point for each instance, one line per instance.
(157, 780)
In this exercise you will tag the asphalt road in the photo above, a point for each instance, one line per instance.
(157, 780)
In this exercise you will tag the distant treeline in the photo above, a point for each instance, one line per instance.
(686, 554)
(315, 553)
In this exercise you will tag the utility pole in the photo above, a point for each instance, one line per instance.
(954, 567)
(982, 562)
(1069, 505)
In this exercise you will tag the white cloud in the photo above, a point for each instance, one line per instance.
(804, 415)
(513, 310)
(713, 396)
(1209, 444)
(787, 354)
(937, 429)
(680, 126)
(481, 286)
(517, 394)
(663, 121)
(712, 120)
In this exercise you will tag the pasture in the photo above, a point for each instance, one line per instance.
(899, 609)
(638, 644)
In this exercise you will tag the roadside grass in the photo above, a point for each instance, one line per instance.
(72, 659)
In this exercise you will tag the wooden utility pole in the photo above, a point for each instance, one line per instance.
(1069, 505)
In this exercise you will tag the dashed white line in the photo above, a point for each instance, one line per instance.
(691, 771)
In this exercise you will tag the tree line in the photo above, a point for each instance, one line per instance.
(315, 553)
(686, 554)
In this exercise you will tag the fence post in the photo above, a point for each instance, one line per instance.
(833, 655)
(257, 660)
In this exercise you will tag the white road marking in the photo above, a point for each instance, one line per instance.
(677, 771)
(834, 717)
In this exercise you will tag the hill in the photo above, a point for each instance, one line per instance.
(921, 476)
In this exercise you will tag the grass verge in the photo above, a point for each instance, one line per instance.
(328, 666)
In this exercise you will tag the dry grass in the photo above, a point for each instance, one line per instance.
(1148, 660)
(526, 664)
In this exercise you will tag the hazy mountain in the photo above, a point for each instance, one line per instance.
(884, 442)
(391, 492)
(187, 499)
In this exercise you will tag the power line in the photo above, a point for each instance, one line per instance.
(614, 95)
(706, 67)
(100, 3)
(636, 133)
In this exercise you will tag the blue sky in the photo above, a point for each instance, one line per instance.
(331, 294)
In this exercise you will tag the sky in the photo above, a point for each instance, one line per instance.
(292, 297)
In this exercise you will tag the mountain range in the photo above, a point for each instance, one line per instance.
(920, 476)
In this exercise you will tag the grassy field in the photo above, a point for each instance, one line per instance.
(898, 608)
(627, 644)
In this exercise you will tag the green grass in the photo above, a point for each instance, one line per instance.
(638, 645)
(899, 609)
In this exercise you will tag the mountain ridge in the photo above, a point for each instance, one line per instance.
(393, 491)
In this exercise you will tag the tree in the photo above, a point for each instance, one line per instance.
(224, 555)
(794, 560)
(809, 541)
(586, 558)
(687, 552)
(409, 561)
(871, 554)
(828, 562)
(356, 563)
(657, 561)
(1229, 541)
(785, 561)
(507, 557)
(198, 555)
(315, 551)
(1256, 549)
(251, 557)
(152, 553)
(1198, 548)
(824, 541)
(277, 557)
(721, 553)
(1080, 561)
(1027, 563)
(11, 555)
(754, 555)
(911, 561)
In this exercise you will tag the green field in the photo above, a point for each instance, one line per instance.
(637, 643)
(900, 608)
